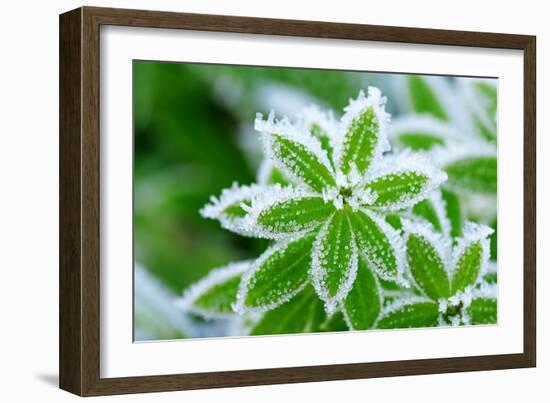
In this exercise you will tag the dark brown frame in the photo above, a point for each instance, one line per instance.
(79, 200)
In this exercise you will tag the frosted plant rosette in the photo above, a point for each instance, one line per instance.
(327, 218)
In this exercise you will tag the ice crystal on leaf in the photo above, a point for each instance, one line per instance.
(230, 208)
(450, 279)
(276, 276)
(325, 188)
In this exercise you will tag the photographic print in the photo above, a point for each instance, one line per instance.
(274, 200)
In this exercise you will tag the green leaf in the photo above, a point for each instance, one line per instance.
(304, 313)
(271, 175)
(490, 278)
(220, 297)
(362, 304)
(454, 212)
(229, 209)
(324, 138)
(229, 205)
(467, 267)
(419, 141)
(394, 220)
(294, 214)
(476, 174)
(483, 311)
(299, 161)
(214, 295)
(334, 261)
(389, 285)
(427, 211)
(424, 99)
(360, 142)
(414, 313)
(236, 209)
(379, 243)
(404, 180)
(334, 323)
(276, 276)
(398, 189)
(427, 267)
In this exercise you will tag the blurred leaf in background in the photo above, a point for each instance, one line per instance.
(251, 89)
(156, 316)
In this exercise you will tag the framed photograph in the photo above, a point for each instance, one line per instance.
(249, 201)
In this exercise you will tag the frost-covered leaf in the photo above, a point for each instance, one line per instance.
(363, 302)
(477, 174)
(468, 267)
(408, 313)
(364, 132)
(433, 210)
(427, 266)
(424, 97)
(390, 285)
(470, 257)
(214, 295)
(427, 211)
(304, 313)
(334, 261)
(268, 174)
(453, 212)
(403, 181)
(296, 152)
(482, 311)
(381, 245)
(394, 220)
(321, 125)
(335, 323)
(290, 211)
(325, 140)
(230, 208)
(394, 188)
(276, 276)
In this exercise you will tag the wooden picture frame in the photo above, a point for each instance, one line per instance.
(80, 199)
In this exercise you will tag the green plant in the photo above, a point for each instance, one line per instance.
(449, 278)
(325, 197)
(330, 213)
